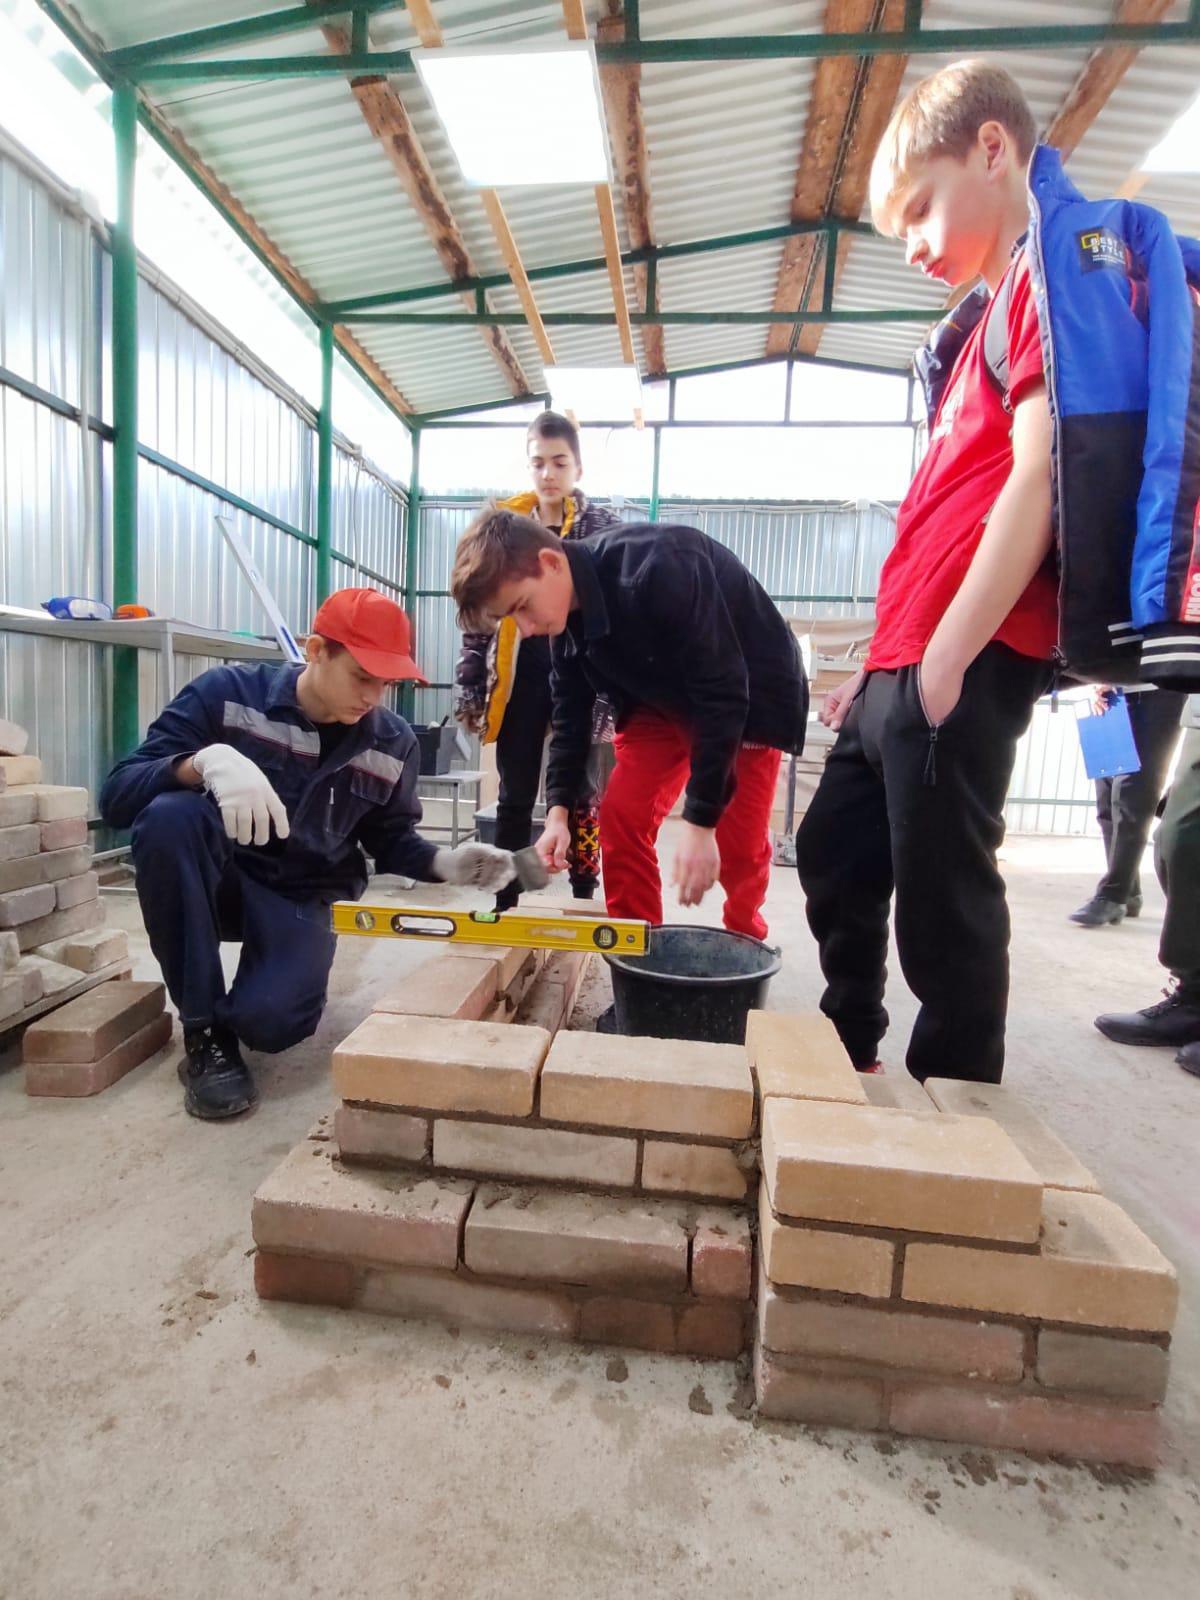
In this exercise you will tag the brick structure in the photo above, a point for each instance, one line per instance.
(50, 911)
(933, 1263)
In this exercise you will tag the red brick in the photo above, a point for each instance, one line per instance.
(90, 1077)
(89, 951)
(577, 1238)
(47, 867)
(1121, 1369)
(89, 1027)
(314, 1205)
(367, 1133)
(457, 1298)
(63, 833)
(950, 1346)
(20, 906)
(722, 1256)
(806, 1394)
(700, 1169)
(712, 1330)
(636, 1324)
(1001, 1421)
(309, 1280)
(447, 986)
(60, 923)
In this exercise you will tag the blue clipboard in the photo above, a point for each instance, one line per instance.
(1107, 742)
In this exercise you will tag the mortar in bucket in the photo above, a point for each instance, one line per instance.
(692, 983)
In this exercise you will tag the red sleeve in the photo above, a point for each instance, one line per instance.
(1025, 368)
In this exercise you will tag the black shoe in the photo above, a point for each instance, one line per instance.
(1098, 913)
(217, 1080)
(1133, 906)
(606, 1022)
(1189, 1058)
(1173, 1021)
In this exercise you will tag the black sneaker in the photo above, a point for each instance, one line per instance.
(1098, 913)
(1173, 1021)
(217, 1080)
(1189, 1058)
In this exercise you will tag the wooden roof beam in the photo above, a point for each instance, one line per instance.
(384, 113)
(430, 34)
(851, 101)
(621, 88)
(1103, 71)
(576, 25)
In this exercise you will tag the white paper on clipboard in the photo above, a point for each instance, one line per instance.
(258, 583)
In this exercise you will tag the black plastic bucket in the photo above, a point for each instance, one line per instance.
(693, 983)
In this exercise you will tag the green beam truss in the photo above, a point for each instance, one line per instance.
(291, 20)
(666, 319)
(325, 469)
(740, 47)
(649, 255)
(125, 415)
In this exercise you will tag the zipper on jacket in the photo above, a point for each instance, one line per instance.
(1050, 367)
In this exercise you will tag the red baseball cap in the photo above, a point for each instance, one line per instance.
(374, 629)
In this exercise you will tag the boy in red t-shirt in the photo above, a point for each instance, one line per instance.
(912, 796)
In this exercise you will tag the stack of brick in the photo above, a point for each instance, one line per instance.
(492, 1173)
(924, 1269)
(92, 1041)
(49, 896)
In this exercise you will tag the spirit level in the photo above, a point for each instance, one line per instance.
(526, 930)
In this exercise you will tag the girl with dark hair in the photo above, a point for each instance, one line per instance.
(504, 681)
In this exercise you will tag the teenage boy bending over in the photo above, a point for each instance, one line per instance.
(705, 680)
(912, 796)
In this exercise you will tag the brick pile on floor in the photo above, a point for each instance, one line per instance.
(940, 1264)
(52, 932)
(498, 1174)
(95, 1039)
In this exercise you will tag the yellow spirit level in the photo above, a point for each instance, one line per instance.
(526, 930)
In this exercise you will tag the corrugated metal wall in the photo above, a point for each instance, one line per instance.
(202, 409)
(210, 413)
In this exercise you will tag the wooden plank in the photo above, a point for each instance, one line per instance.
(515, 268)
(385, 115)
(1103, 71)
(621, 88)
(851, 101)
(616, 272)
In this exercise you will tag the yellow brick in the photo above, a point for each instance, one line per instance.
(1096, 1267)
(812, 1258)
(447, 986)
(703, 1169)
(1055, 1165)
(899, 1090)
(800, 1058)
(441, 1065)
(889, 1169)
(660, 1085)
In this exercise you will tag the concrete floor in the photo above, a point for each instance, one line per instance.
(164, 1435)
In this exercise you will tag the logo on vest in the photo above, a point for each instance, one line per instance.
(1101, 247)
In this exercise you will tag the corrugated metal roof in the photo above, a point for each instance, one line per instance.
(723, 141)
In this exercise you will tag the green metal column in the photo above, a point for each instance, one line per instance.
(409, 696)
(654, 477)
(325, 468)
(125, 414)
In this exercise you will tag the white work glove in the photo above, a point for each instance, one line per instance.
(478, 866)
(248, 803)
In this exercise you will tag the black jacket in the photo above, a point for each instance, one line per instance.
(364, 795)
(670, 620)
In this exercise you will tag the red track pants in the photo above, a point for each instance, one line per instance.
(653, 762)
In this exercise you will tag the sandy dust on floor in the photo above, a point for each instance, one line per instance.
(164, 1435)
